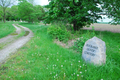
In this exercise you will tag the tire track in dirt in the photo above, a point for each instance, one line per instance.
(11, 48)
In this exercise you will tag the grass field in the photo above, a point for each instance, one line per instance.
(6, 28)
(41, 59)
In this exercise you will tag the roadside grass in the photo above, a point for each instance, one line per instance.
(6, 28)
(41, 59)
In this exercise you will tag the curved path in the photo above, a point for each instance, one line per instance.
(12, 47)
(10, 37)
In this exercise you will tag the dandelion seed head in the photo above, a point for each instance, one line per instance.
(65, 60)
(77, 74)
(80, 72)
(61, 65)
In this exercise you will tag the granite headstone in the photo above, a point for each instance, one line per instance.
(94, 51)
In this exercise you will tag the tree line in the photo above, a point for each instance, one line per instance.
(80, 13)
(24, 10)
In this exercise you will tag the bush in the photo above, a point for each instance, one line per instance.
(58, 33)
(78, 45)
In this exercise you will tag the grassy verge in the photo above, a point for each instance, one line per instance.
(41, 59)
(6, 28)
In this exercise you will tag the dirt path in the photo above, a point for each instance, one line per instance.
(12, 47)
(10, 37)
(104, 27)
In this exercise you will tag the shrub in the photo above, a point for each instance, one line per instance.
(78, 45)
(58, 33)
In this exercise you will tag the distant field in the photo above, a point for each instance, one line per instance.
(105, 27)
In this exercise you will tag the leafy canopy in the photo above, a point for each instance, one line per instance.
(77, 12)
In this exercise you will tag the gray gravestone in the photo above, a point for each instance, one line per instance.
(94, 51)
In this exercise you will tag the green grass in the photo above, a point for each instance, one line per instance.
(41, 59)
(6, 28)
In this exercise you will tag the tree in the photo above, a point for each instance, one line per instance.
(112, 10)
(4, 4)
(39, 12)
(77, 12)
(29, 12)
(1, 12)
(12, 13)
(26, 10)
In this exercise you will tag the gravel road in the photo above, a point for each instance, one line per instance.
(12, 47)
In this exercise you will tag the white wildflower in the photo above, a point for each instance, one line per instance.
(80, 72)
(77, 74)
(65, 60)
(81, 75)
(61, 65)
(78, 61)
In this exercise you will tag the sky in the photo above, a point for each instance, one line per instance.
(45, 2)
(41, 2)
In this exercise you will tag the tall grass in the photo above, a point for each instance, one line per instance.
(41, 59)
(6, 28)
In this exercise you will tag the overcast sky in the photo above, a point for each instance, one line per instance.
(41, 2)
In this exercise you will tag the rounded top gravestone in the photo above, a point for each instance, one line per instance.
(94, 51)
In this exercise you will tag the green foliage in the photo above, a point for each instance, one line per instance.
(58, 33)
(12, 13)
(79, 13)
(29, 12)
(112, 9)
(78, 45)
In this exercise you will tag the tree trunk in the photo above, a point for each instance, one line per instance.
(4, 15)
(75, 27)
